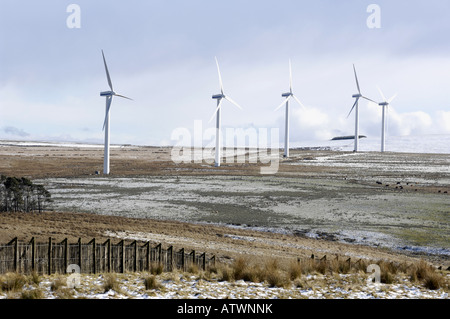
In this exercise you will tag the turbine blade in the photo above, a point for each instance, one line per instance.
(284, 102)
(122, 96)
(298, 101)
(382, 95)
(233, 102)
(356, 102)
(356, 78)
(392, 98)
(220, 76)
(107, 73)
(108, 106)
(290, 76)
(366, 98)
(217, 109)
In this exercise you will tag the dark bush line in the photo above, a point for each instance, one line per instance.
(21, 195)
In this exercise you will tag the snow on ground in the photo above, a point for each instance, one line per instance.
(188, 286)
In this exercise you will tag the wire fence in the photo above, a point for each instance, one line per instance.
(93, 257)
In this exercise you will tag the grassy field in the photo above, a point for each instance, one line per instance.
(242, 279)
(375, 207)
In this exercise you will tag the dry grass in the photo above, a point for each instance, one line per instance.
(425, 273)
(12, 282)
(32, 294)
(110, 282)
(58, 284)
(308, 274)
(277, 275)
(151, 283)
(156, 268)
(34, 278)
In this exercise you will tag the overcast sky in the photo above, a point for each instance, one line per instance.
(161, 54)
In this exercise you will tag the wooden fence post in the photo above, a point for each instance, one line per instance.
(147, 256)
(203, 261)
(94, 259)
(182, 259)
(16, 255)
(170, 257)
(14, 242)
(66, 254)
(135, 256)
(79, 255)
(108, 251)
(33, 254)
(193, 258)
(159, 247)
(49, 255)
(122, 261)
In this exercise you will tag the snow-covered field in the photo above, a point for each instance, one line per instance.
(349, 212)
(431, 144)
(189, 286)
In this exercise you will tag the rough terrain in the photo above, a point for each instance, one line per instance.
(419, 175)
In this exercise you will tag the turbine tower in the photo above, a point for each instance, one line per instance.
(219, 98)
(356, 107)
(287, 97)
(109, 96)
(384, 105)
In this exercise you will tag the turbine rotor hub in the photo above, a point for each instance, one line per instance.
(107, 93)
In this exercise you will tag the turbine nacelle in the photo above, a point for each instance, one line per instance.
(287, 96)
(383, 104)
(357, 96)
(218, 96)
(107, 93)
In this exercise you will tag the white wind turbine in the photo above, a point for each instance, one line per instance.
(219, 98)
(356, 107)
(109, 95)
(384, 105)
(288, 96)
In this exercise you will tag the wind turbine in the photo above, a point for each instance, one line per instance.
(219, 98)
(356, 107)
(287, 97)
(109, 96)
(384, 105)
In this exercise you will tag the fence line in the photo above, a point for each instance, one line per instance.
(93, 257)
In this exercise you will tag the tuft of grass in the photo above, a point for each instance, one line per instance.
(12, 282)
(239, 268)
(34, 278)
(156, 269)
(58, 284)
(226, 273)
(193, 269)
(274, 275)
(425, 273)
(434, 281)
(341, 266)
(420, 271)
(110, 282)
(32, 294)
(151, 283)
(295, 270)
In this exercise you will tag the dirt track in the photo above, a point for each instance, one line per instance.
(225, 242)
